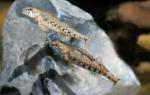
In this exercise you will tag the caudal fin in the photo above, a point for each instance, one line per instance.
(112, 77)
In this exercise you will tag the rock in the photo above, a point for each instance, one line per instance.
(136, 13)
(29, 67)
(144, 41)
(3, 8)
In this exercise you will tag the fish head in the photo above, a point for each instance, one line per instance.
(56, 44)
(31, 12)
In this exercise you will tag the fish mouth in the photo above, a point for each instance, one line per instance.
(25, 13)
(32, 15)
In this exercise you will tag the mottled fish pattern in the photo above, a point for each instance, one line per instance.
(83, 58)
(47, 21)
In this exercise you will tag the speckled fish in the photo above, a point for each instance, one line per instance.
(47, 21)
(82, 58)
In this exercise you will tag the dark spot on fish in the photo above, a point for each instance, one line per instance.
(63, 30)
(73, 59)
(74, 35)
(58, 26)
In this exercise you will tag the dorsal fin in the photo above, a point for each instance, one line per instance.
(86, 54)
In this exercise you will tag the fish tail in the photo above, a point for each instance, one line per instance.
(112, 77)
(108, 74)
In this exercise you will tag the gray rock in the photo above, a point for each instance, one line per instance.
(28, 66)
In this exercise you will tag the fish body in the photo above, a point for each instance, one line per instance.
(82, 58)
(47, 21)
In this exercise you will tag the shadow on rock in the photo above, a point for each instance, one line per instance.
(6, 90)
(43, 84)
(29, 65)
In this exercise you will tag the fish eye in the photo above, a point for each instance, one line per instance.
(28, 9)
(55, 45)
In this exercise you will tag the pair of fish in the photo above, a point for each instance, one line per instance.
(78, 56)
